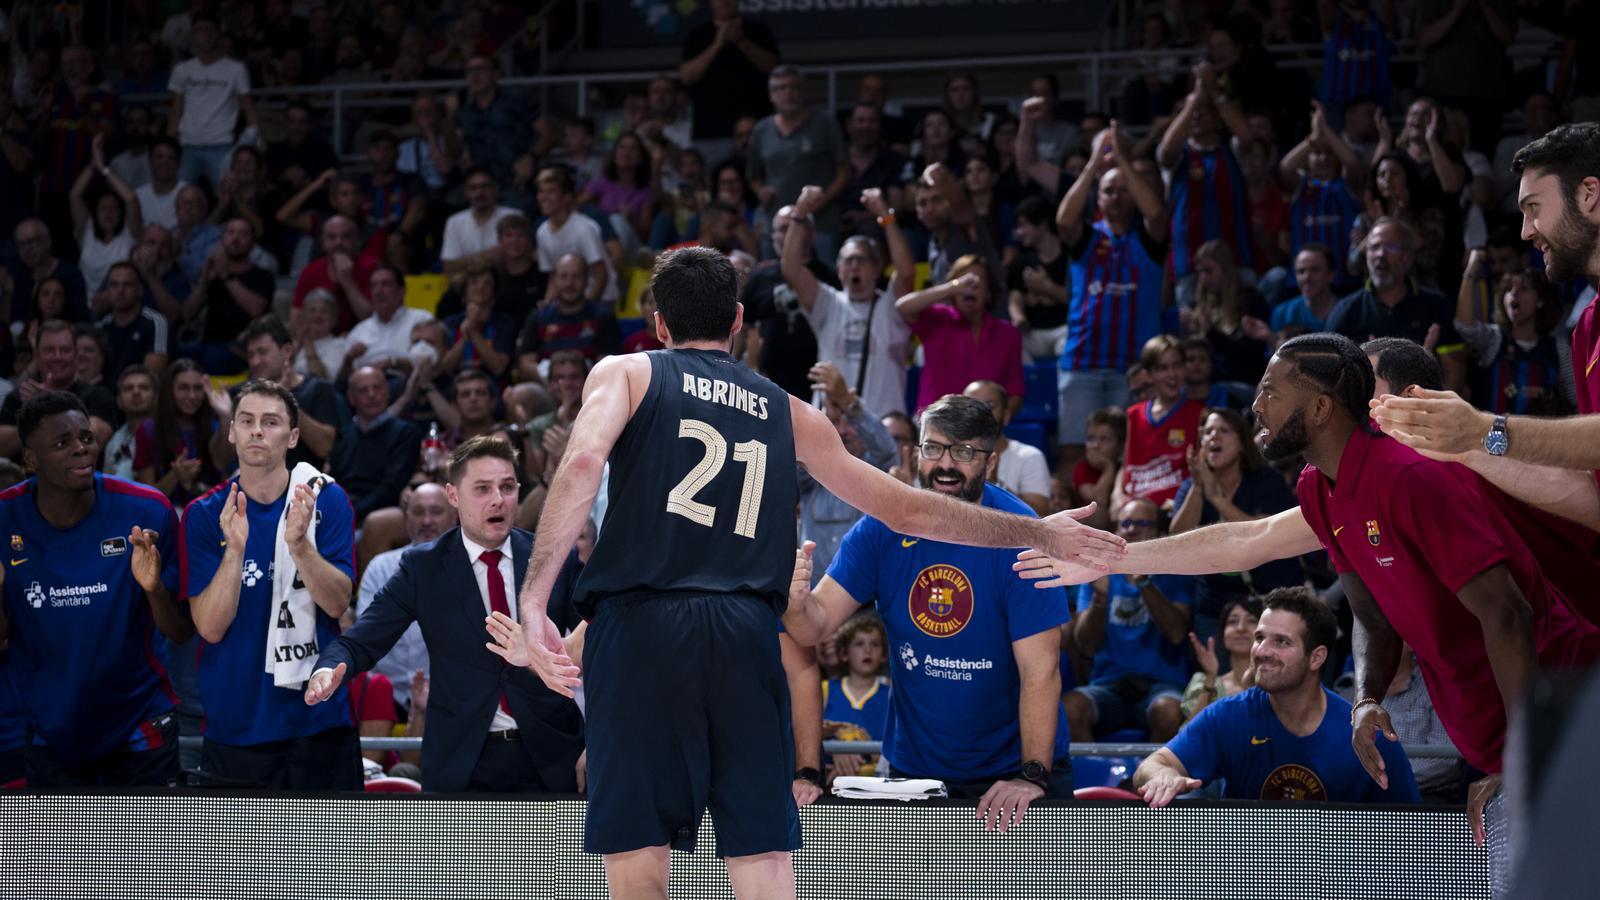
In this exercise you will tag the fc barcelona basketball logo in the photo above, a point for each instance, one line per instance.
(1372, 532)
(1177, 437)
(940, 601)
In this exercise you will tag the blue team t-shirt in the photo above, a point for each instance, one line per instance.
(1133, 645)
(869, 713)
(951, 613)
(88, 664)
(1241, 740)
(243, 706)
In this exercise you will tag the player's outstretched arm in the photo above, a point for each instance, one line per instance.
(1224, 547)
(907, 510)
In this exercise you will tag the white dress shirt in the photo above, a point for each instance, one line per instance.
(480, 573)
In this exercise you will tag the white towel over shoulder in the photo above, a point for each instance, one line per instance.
(292, 619)
(863, 787)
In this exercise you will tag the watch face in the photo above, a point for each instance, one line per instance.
(1496, 443)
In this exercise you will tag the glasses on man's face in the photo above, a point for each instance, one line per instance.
(1135, 523)
(961, 453)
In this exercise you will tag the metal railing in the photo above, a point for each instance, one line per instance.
(1101, 73)
(1414, 751)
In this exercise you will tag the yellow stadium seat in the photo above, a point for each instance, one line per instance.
(637, 280)
(423, 291)
(223, 382)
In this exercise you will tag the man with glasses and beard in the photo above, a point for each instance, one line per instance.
(1550, 463)
(1428, 555)
(975, 652)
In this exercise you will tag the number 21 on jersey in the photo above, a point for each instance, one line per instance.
(753, 454)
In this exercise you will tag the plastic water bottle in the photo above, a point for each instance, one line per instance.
(433, 450)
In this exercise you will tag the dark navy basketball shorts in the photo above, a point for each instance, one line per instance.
(688, 709)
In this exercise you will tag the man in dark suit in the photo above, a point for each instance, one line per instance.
(490, 727)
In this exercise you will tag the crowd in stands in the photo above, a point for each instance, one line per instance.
(1110, 282)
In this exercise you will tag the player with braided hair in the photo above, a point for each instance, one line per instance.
(1428, 555)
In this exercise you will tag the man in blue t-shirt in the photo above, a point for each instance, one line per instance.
(1287, 738)
(974, 649)
(1135, 628)
(242, 542)
(91, 578)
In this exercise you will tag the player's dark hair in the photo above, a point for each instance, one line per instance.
(266, 387)
(962, 418)
(1332, 364)
(52, 403)
(491, 446)
(697, 294)
(268, 325)
(1569, 152)
(1321, 626)
(1403, 362)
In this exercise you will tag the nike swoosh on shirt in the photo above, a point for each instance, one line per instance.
(1256, 742)
(18, 562)
(1337, 530)
(906, 542)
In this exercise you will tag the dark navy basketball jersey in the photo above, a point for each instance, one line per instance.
(702, 489)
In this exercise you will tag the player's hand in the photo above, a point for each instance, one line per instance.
(1004, 804)
(1369, 720)
(145, 561)
(1165, 787)
(235, 524)
(800, 582)
(1075, 542)
(1479, 793)
(302, 507)
(1034, 109)
(872, 201)
(582, 771)
(1037, 565)
(809, 201)
(549, 656)
(1437, 424)
(323, 683)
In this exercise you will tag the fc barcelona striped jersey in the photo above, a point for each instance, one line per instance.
(1322, 213)
(1115, 304)
(1209, 203)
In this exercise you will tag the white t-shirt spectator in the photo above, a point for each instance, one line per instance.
(387, 339)
(95, 257)
(159, 209)
(579, 235)
(841, 328)
(133, 168)
(210, 99)
(1023, 470)
(464, 237)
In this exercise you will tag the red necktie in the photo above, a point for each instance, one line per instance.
(497, 600)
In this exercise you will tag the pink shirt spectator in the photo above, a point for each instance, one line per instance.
(953, 358)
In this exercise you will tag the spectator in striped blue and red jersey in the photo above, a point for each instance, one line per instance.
(568, 321)
(1326, 179)
(1208, 200)
(394, 201)
(1115, 293)
(1355, 53)
(77, 111)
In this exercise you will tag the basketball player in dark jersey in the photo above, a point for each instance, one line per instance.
(687, 703)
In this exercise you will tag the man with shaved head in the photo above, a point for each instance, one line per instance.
(376, 453)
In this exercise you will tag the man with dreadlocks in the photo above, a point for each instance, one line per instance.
(1427, 554)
